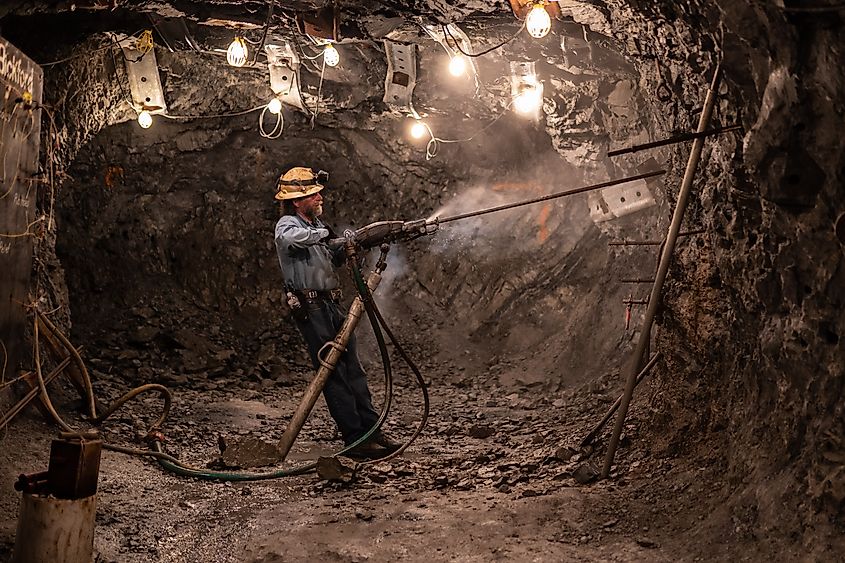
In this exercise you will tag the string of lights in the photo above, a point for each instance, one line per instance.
(526, 89)
(214, 116)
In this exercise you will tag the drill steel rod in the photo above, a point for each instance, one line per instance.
(595, 431)
(673, 140)
(663, 268)
(552, 196)
(637, 280)
(651, 242)
(327, 365)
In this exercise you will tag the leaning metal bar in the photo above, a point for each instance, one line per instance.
(662, 269)
(32, 393)
(553, 196)
(327, 365)
(651, 242)
(674, 140)
(595, 431)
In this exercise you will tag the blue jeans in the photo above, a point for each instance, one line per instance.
(346, 392)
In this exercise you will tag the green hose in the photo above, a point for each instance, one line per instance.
(174, 465)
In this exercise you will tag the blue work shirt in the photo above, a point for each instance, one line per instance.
(306, 261)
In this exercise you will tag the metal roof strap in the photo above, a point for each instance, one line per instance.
(284, 63)
(401, 75)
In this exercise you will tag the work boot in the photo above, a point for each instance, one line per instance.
(386, 442)
(368, 450)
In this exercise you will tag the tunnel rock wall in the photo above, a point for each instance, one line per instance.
(81, 96)
(752, 316)
(169, 248)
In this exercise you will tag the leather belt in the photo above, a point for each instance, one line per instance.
(314, 295)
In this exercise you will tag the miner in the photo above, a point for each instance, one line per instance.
(309, 268)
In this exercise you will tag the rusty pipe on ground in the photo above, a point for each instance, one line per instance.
(595, 431)
(662, 270)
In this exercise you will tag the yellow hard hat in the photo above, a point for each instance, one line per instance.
(300, 182)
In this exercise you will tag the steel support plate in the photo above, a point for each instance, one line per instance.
(144, 82)
(284, 74)
(619, 201)
(401, 74)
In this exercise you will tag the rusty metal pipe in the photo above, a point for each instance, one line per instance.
(32, 393)
(662, 270)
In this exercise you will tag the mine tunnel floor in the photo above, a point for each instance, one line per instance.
(487, 480)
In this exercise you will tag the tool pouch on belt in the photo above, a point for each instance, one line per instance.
(296, 309)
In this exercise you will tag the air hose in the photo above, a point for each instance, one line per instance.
(377, 322)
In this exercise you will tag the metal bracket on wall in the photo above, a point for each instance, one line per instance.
(620, 200)
(284, 63)
(401, 75)
(144, 82)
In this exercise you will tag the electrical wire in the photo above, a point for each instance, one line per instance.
(274, 133)
(87, 52)
(319, 94)
(448, 33)
(432, 145)
(266, 28)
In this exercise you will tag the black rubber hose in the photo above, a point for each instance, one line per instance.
(420, 381)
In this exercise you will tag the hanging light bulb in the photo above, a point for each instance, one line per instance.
(418, 129)
(529, 100)
(145, 119)
(330, 55)
(236, 54)
(457, 65)
(275, 106)
(538, 22)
